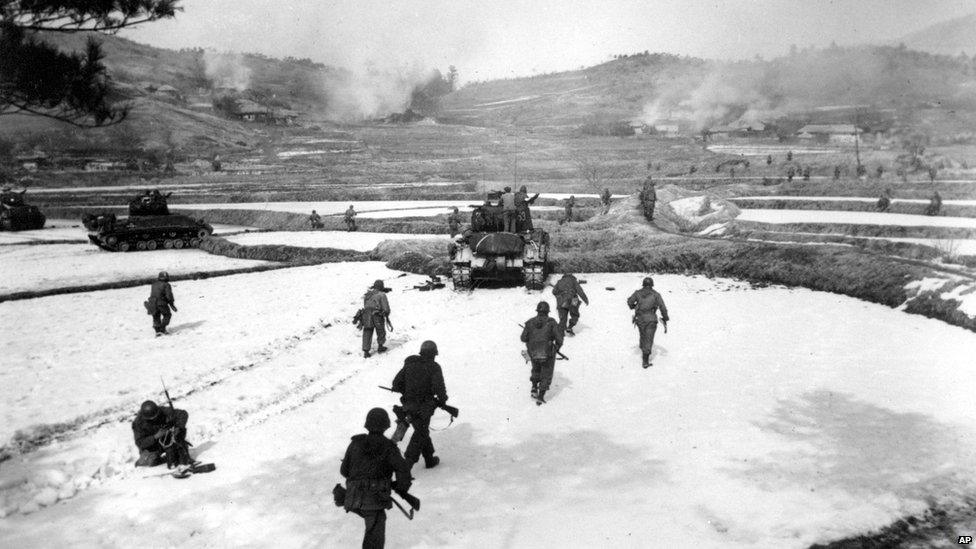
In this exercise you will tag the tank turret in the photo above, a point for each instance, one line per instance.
(16, 215)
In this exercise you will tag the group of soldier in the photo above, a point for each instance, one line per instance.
(349, 216)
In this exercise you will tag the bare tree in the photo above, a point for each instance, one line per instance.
(597, 170)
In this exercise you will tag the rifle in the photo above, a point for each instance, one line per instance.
(170, 438)
(452, 410)
(389, 324)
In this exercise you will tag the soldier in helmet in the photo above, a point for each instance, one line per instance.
(454, 222)
(645, 303)
(568, 294)
(543, 338)
(376, 309)
(160, 435)
(350, 217)
(421, 385)
(316, 220)
(369, 464)
(160, 302)
(568, 210)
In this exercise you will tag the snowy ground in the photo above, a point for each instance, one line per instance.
(952, 202)
(858, 218)
(73, 231)
(771, 418)
(33, 267)
(342, 240)
(364, 209)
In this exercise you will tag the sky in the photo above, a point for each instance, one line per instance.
(505, 38)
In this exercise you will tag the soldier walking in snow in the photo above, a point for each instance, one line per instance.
(368, 466)
(376, 312)
(421, 385)
(454, 222)
(160, 302)
(543, 339)
(316, 220)
(160, 435)
(645, 303)
(350, 217)
(523, 221)
(570, 203)
(568, 294)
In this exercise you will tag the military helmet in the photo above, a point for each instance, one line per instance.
(542, 307)
(508, 189)
(163, 275)
(378, 285)
(149, 410)
(377, 420)
(523, 189)
(428, 349)
(648, 282)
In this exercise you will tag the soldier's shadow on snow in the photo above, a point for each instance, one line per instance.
(559, 384)
(185, 327)
(863, 449)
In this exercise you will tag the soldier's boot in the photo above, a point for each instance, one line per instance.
(381, 349)
(434, 461)
(540, 399)
(366, 354)
(535, 390)
(646, 360)
(569, 330)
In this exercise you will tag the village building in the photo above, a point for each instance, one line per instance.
(249, 111)
(839, 134)
(168, 92)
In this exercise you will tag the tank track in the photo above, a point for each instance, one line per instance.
(143, 241)
(534, 276)
(461, 277)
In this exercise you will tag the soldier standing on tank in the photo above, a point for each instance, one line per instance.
(160, 302)
(350, 217)
(568, 208)
(368, 466)
(645, 303)
(543, 339)
(316, 220)
(509, 211)
(454, 222)
(568, 294)
(376, 310)
(523, 220)
(421, 385)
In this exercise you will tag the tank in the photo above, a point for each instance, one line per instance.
(15, 215)
(149, 226)
(487, 253)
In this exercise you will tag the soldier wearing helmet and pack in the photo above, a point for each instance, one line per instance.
(568, 294)
(376, 310)
(645, 303)
(368, 465)
(160, 302)
(160, 435)
(543, 338)
(421, 385)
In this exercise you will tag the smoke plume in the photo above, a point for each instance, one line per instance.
(227, 70)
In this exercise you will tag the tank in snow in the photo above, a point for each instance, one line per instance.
(149, 226)
(15, 215)
(487, 252)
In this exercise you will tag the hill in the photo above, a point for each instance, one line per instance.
(950, 37)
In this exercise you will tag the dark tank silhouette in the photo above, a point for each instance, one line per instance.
(149, 226)
(16, 215)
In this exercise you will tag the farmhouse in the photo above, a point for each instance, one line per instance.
(250, 111)
(842, 134)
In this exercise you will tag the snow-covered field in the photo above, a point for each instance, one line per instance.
(342, 240)
(954, 202)
(857, 218)
(772, 417)
(44, 267)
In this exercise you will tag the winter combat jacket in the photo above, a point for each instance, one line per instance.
(568, 292)
(508, 202)
(421, 385)
(375, 308)
(160, 296)
(542, 337)
(370, 460)
(144, 430)
(645, 303)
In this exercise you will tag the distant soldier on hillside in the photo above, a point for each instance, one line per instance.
(454, 222)
(568, 210)
(836, 173)
(790, 173)
(523, 220)
(935, 204)
(350, 217)
(769, 159)
(605, 199)
(645, 303)
(789, 156)
(375, 315)
(568, 294)
(216, 164)
(806, 173)
(542, 338)
(160, 302)
(879, 172)
(316, 220)
(883, 202)
(648, 199)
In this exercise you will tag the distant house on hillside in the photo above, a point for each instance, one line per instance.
(199, 103)
(283, 117)
(841, 134)
(250, 111)
(719, 133)
(638, 127)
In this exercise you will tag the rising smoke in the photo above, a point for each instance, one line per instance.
(227, 70)
(371, 92)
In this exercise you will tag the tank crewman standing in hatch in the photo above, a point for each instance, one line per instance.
(370, 462)
(350, 217)
(376, 309)
(523, 220)
(509, 211)
(421, 385)
(454, 222)
(645, 303)
(160, 302)
(160, 435)
(568, 294)
(542, 338)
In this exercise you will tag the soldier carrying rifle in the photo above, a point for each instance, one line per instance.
(421, 385)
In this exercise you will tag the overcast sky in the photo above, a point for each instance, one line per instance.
(495, 39)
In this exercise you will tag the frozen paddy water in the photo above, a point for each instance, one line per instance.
(772, 417)
(344, 240)
(857, 218)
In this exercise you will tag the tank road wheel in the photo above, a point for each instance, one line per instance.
(202, 233)
(168, 244)
(111, 241)
(534, 276)
(124, 246)
(141, 245)
(151, 245)
(178, 243)
(461, 277)
(194, 242)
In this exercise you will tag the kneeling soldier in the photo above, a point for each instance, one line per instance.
(160, 434)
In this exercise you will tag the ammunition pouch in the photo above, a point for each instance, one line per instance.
(339, 495)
